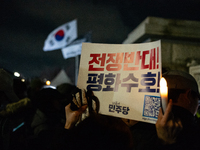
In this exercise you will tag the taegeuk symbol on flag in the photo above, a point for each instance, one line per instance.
(61, 36)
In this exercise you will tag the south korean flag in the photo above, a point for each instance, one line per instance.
(61, 36)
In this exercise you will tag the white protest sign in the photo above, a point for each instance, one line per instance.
(124, 77)
(72, 51)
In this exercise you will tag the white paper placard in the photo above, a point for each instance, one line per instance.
(124, 77)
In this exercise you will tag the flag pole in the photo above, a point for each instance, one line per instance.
(76, 68)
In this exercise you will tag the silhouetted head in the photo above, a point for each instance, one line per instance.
(182, 89)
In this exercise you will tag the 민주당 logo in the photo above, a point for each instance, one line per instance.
(59, 35)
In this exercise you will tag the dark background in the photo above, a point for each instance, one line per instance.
(25, 24)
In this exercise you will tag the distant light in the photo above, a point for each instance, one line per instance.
(23, 80)
(48, 82)
(16, 74)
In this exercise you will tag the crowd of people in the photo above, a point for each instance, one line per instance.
(67, 118)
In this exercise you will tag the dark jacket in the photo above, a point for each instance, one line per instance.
(145, 136)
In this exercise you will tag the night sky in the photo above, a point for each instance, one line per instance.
(25, 24)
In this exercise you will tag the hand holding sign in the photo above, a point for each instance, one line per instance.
(72, 117)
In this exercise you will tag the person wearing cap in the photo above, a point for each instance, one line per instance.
(177, 127)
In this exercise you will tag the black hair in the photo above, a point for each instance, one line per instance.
(174, 94)
(103, 132)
